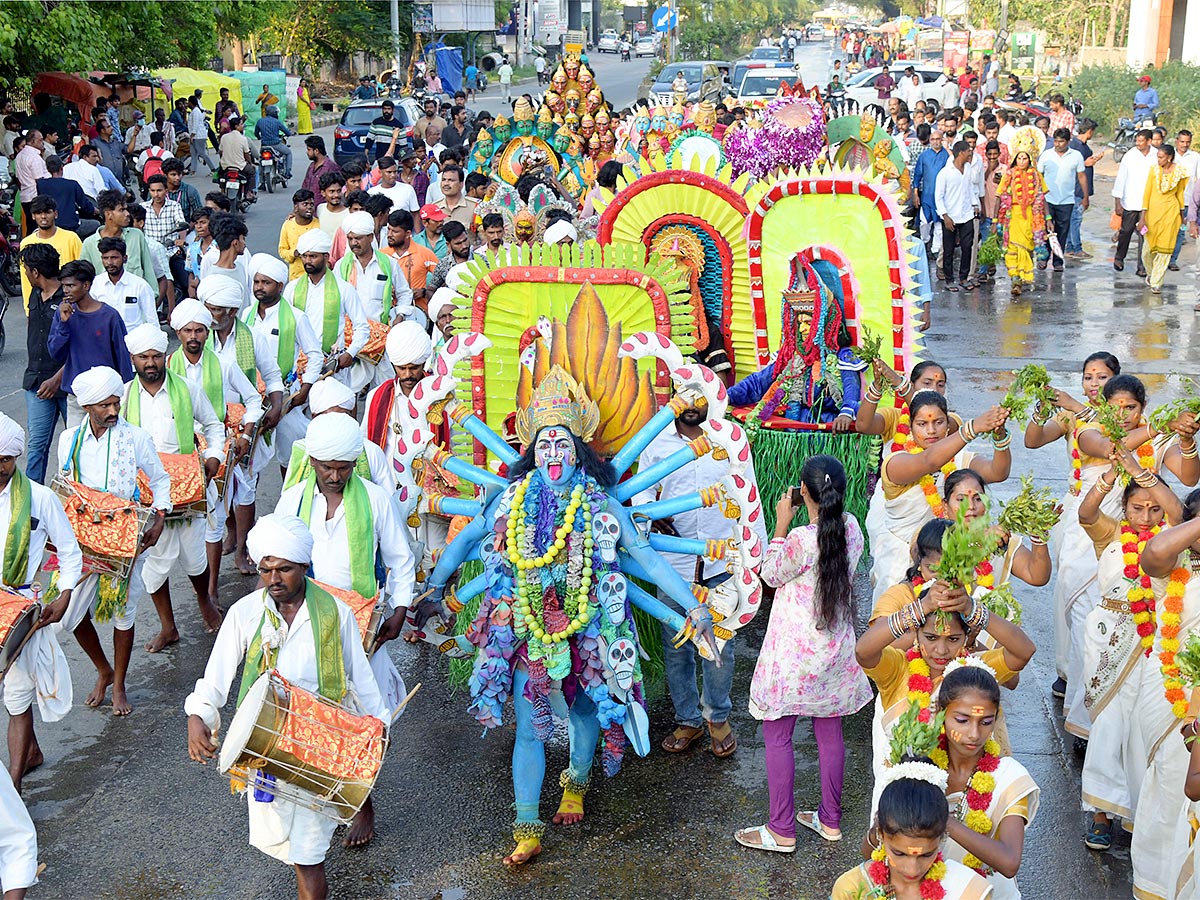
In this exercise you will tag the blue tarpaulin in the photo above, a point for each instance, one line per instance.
(449, 64)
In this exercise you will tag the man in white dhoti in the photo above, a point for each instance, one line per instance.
(106, 452)
(223, 382)
(288, 336)
(287, 626)
(18, 845)
(30, 515)
(328, 301)
(172, 409)
(237, 344)
(354, 524)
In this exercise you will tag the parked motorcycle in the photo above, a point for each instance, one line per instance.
(270, 171)
(233, 185)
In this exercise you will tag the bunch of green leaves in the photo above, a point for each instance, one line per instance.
(991, 251)
(1108, 417)
(1002, 602)
(1163, 416)
(964, 546)
(912, 737)
(1034, 511)
(1188, 660)
(1029, 391)
(870, 346)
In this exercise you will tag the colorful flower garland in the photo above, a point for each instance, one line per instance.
(980, 787)
(881, 877)
(1076, 464)
(1172, 616)
(929, 482)
(1140, 593)
(1145, 456)
(920, 681)
(903, 429)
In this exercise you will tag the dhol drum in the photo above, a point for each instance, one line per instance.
(187, 485)
(321, 755)
(376, 344)
(368, 612)
(109, 528)
(18, 618)
(234, 414)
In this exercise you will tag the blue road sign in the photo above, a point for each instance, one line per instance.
(664, 19)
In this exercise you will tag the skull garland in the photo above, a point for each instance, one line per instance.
(622, 658)
(612, 595)
(606, 531)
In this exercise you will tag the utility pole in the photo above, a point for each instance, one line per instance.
(396, 35)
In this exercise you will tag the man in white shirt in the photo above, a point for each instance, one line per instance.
(198, 130)
(327, 301)
(314, 632)
(235, 153)
(105, 452)
(1129, 196)
(694, 711)
(401, 194)
(227, 254)
(125, 292)
(956, 198)
(1190, 160)
(137, 136)
(173, 410)
(287, 334)
(505, 74)
(18, 843)
(85, 171)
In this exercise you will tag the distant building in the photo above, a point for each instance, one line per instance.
(1160, 30)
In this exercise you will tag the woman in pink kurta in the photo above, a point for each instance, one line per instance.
(806, 666)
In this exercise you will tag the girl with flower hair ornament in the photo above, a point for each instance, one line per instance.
(1164, 706)
(910, 479)
(1119, 639)
(939, 625)
(1154, 451)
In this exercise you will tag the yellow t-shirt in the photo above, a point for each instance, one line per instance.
(69, 249)
(893, 600)
(891, 675)
(289, 237)
(891, 490)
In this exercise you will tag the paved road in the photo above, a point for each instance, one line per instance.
(123, 814)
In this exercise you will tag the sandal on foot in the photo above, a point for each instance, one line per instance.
(766, 840)
(810, 821)
(682, 738)
(1098, 837)
(952, 287)
(724, 741)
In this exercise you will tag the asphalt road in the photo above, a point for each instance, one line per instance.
(123, 814)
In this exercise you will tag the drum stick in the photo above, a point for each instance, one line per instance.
(404, 702)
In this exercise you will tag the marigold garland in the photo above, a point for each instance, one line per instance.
(881, 876)
(920, 681)
(929, 483)
(1076, 464)
(903, 429)
(980, 787)
(1145, 456)
(1140, 593)
(1169, 624)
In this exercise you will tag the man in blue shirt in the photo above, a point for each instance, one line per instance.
(68, 196)
(1064, 172)
(924, 181)
(111, 147)
(1086, 128)
(365, 89)
(471, 77)
(1145, 101)
(271, 133)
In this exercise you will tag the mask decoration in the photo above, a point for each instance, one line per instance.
(502, 130)
(866, 128)
(484, 147)
(612, 594)
(572, 98)
(554, 455)
(586, 79)
(558, 81)
(594, 100)
(524, 226)
(571, 121)
(571, 65)
(606, 530)
(554, 101)
(803, 304)
(705, 117)
(603, 120)
(658, 122)
(641, 124)
(562, 139)
(608, 142)
(523, 117)
(587, 126)
(594, 146)
(678, 114)
(545, 124)
(622, 655)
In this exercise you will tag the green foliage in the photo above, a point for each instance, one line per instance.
(1188, 660)
(1029, 392)
(723, 31)
(313, 32)
(870, 346)
(912, 737)
(1163, 416)
(1000, 601)
(1107, 93)
(990, 251)
(1034, 511)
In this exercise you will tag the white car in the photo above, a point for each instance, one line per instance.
(645, 46)
(861, 85)
(610, 42)
(759, 86)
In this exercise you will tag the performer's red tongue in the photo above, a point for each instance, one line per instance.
(555, 471)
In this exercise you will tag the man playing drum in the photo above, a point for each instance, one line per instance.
(171, 409)
(286, 626)
(223, 382)
(236, 343)
(288, 335)
(105, 452)
(31, 515)
(353, 523)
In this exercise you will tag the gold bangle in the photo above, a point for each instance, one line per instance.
(1103, 487)
(1189, 453)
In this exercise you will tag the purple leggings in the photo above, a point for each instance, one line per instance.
(781, 771)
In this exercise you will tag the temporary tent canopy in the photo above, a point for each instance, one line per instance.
(187, 80)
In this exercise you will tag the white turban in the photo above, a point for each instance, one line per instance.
(99, 383)
(559, 230)
(408, 344)
(281, 536)
(12, 437)
(360, 222)
(188, 311)
(270, 267)
(220, 290)
(333, 439)
(329, 393)
(314, 241)
(441, 298)
(143, 338)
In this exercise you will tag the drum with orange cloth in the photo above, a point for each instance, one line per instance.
(109, 528)
(368, 612)
(323, 756)
(18, 617)
(376, 344)
(187, 485)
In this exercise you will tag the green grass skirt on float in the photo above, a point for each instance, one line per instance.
(648, 629)
(779, 456)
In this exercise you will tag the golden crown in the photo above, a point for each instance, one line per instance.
(558, 400)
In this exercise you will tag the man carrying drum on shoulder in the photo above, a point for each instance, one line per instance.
(105, 452)
(31, 515)
(285, 626)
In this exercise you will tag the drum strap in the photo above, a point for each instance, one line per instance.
(211, 377)
(327, 639)
(331, 315)
(181, 408)
(16, 545)
(360, 531)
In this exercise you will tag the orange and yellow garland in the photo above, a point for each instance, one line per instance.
(929, 482)
(980, 787)
(1169, 624)
(1140, 593)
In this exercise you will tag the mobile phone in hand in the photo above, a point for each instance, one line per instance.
(797, 497)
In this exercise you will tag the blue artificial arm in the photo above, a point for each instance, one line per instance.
(850, 366)
(479, 430)
(652, 475)
(473, 474)
(627, 455)
(751, 389)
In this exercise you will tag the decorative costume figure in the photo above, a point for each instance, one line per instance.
(481, 156)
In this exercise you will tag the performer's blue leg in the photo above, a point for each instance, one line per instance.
(529, 754)
(583, 729)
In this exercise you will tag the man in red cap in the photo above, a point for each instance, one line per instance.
(1145, 101)
(432, 218)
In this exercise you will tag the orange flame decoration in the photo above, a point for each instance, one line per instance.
(586, 347)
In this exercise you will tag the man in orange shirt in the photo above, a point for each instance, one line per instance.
(415, 261)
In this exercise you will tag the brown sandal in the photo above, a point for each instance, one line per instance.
(724, 741)
(682, 738)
